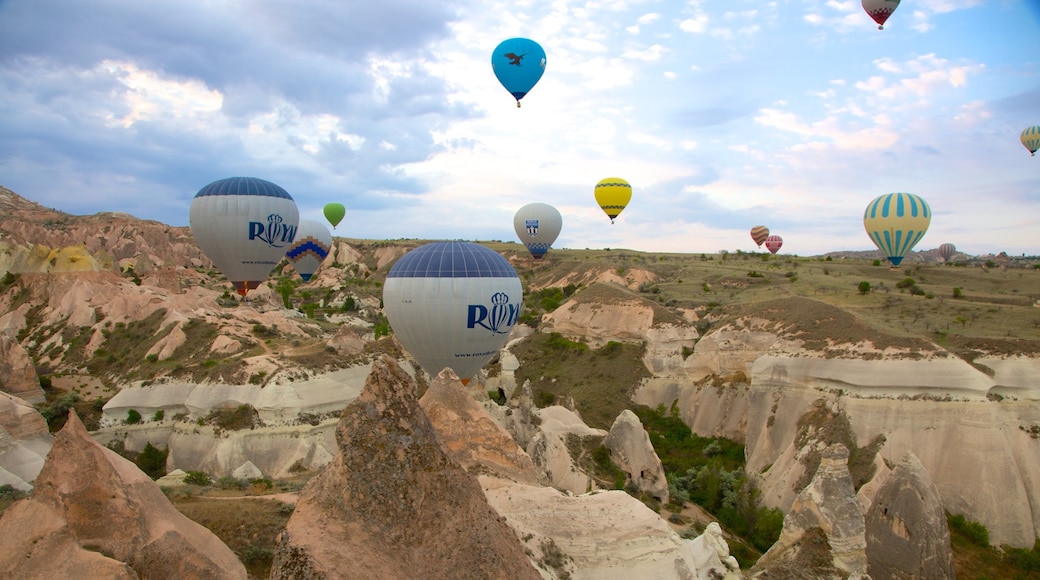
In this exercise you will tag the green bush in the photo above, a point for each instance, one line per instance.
(133, 417)
(152, 461)
(197, 478)
(159, 415)
(973, 531)
(864, 287)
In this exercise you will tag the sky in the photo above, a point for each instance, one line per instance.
(722, 115)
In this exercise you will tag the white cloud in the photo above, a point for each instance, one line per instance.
(150, 97)
(698, 24)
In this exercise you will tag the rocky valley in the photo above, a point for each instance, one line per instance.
(866, 417)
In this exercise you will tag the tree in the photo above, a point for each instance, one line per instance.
(864, 287)
(133, 417)
(152, 461)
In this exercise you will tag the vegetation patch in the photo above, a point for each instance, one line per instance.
(599, 381)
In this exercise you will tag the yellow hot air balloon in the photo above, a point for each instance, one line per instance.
(613, 194)
(1031, 139)
(895, 223)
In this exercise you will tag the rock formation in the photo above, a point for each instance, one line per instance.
(24, 442)
(549, 449)
(470, 436)
(631, 450)
(391, 504)
(17, 373)
(93, 514)
(907, 534)
(604, 534)
(826, 513)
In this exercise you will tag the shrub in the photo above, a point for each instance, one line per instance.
(152, 461)
(877, 262)
(973, 531)
(905, 283)
(133, 417)
(159, 415)
(864, 287)
(957, 292)
(197, 478)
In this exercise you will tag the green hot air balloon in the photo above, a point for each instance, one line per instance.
(334, 212)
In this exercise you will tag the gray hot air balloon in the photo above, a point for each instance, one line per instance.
(452, 304)
(537, 225)
(244, 225)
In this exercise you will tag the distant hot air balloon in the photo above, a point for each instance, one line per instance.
(613, 194)
(310, 248)
(334, 212)
(773, 243)
(452, 304)
(518, 63)
(880, 10)
(895, 223)
(244, 225)
(1031, 139)
(759, 234)
(537, 225)
(946, 251)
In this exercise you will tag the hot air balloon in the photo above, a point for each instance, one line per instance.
(1031, 139)
(759, 234)
(334, 212)
(537, 225)
(309, 249)
(773, 243)
(518, 63)
(452, 304)
(613, 194)
(895, 223)
(946, 251)
(880, 10)
(244, 225)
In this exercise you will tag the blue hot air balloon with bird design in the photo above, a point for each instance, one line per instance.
(895, 223)
(518, 64)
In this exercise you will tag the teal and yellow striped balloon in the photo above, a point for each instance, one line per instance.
(895, 223)
(1031, 138)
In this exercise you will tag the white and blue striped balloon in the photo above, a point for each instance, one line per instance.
(310, 248)
(895, 223)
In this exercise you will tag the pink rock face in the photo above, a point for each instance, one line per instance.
(392, 504)
(95, 509)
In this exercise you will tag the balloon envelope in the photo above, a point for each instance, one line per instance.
(452, 304)
(759, 234)
(895, 223)
(880, 10)
(244, 225)
(773, 244)
(334, 213)
(537, 225)
(1031, 138)
(518, 64)
(612, 195)
(946, 251)
(309, 249)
